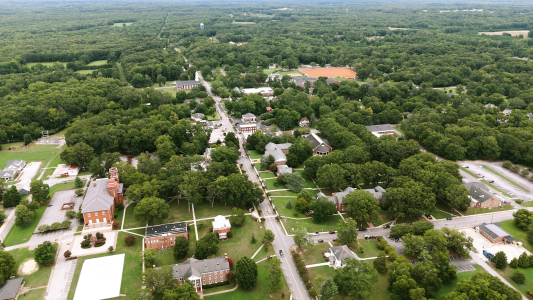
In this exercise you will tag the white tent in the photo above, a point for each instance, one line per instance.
(100, 278)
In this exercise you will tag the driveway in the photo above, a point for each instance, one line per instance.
(54, 213)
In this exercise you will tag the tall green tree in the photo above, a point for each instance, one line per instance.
(206, 246)
(7, 266)
(329, 289)
(347, 231)
(151, 209)
(23, 215)
(361, 206)
(11, 197)
(322, 208)
(40, 191)
(273, 274)
(302, 238)
(355, 279)
(246, 273)
(181, 247)
(45, 254)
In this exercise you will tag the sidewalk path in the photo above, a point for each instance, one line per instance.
(317, 265)
(221, 292)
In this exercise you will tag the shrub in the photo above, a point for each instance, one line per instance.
(230, 234)
(518, 277)
(70, 214)
(129, 240)
(231, 277)
(307, 285)
(523, 260)
(67, 254)
(312, 293)
(525, 172)
(110, 249)
(44, 228)
(515, 168)
(507, 164)
(85, 244)
(115, 225)
(231, 263)
(119, 207)
(99, 243)
(295, 214)
(513, 263)
(78, 192)
(289, 205)
(393, 256)
(253, 239)
(99, 235)
(382, 244)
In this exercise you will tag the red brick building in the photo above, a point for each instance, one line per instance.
(164, 236)
(495, 233)
(481, 197)
(202, 272)
(222, 226)
(101, 198)
(320, 146)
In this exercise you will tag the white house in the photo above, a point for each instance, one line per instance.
(222, 226)
(304, 122)
(338, 254)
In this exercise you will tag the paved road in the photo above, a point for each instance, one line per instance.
(281, 241)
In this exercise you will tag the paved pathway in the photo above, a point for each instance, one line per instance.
(258, 250)
(194, 219)
(317, 265)
(222, 292)
(62, 274)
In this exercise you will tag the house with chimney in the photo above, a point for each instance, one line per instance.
(481, 197)
(320, 146)
(164, 236)
(222, 226)
(201, 272)
(304, 122)
(101, 199)
(336, 198)
(338, 254)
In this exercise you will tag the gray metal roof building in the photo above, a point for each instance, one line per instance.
(479, 191)
(382, 127)
(276, 150)
(195, 267)
(496, 232)
(320, 145)
(10, 288)
(98, 197)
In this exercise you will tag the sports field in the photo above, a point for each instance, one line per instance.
(330, 72)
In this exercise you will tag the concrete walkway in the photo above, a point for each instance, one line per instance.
(258, 250)
(194, 219)
(222, 292)
(317, 265)
(491, 271)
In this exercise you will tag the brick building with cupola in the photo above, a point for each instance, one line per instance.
(101, 199)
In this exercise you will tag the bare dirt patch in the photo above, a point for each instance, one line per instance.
(28, 267)
(330, 72)
(512, 32)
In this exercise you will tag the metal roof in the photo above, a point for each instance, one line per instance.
(316, 140)
(166, 229)
(195, 267)
(382, 127)
(10, 288)
(98, 197)
(479, 191)
(276, 150)
(493, 230)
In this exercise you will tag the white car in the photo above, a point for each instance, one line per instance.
(315, 234)
(268, 211)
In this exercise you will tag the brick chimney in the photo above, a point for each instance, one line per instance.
(94, 183)
(112, 186)
(113, 174)
(226, 256)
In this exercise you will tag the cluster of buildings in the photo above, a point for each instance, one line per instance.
(13, 167)
(378, 192)
(186, 85)
(248, 124)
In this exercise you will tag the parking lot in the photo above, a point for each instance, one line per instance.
(54, 213)
(463, 265)
(484, 174)
(481, 243)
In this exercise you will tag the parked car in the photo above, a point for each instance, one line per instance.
(335, 239)
(448, 219)
(491, 181)
(281, 253)
(386, 226)
(268, 211)
(363, 229)
(332, 232)
(465, 166)
(315, 234)
(320, 241)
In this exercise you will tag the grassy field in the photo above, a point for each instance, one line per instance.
(517, 233)
(254, 154)
(36, 153)
(35, 294)
(293, 194)
(51, 168)
(214, 117)
(477, 211)
(18, 235)
(204, 210)
(37, 279)
(257, 166)
(243, 23)
(97, 63)
(443, 206)
(48, 64)
(129, 220)
(121, 24)
(314, 254)
(290, 72)
(240, 244)
(64, 186)
(447, 288)
(507, 179)
(522, 288)
(307, 181)
(266, 175)
(440, 215)
(85, 72)
(329, 223)
(131, 274)
(495, 188)
(170, 90)
(259, 292)
(280, 204)
(371, 248)
(527, 204)
(270, 71)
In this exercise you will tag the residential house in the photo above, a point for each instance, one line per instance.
(197, 117)
(222, 226)
(164, 236)
(186, 85)
(15, 165)
(248, 117)
(7, 175)
(490, 105)
(481, 197)
(378, 193)
(304, 122)
(284, 169)
(300, 81)
(269, 109)
(338, 254)
(331, 80)
(101, 198)
(264, 91)
(274, 77)
(11, 288)
(495, 233)
(202, 272)
(272, 66)
(278, 151)
(507, 111)
(320, 146)
(337, 198)
(379, 130)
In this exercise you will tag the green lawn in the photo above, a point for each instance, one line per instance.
(371, 248)
(270, 71)
(129, 220)
(97, 63)
(240, 244)
(64, 186)
(273, 184)
(445, 207)
(18, 235)
(131, 274)
(314, 254)
(522, 288)
(214, 117)
(47, 64)
(329, 223)
(37, 279)
(85, 72)
(447, 288)
(440, 215)
(36, 153)
(468, 172)
(527, 204)
(254, 154)
(507, 179)
(517, 233)
(290, 72)
(52, 167)
(259, 292)
(308, 182)
(266, 175)
(257, 166)
(495, 188)
(204, 210)
(477, 211)
(293, 194)
(171, 90)
(280, 204)
(243, 23)
(35, 294)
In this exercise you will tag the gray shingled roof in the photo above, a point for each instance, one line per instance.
(187, 82)
(479, 191)
(7, 174)
(493, 230)
(197, 115)
(342, 252)
(377, 192)
(302, 80)
(284, 169)
(319, 195)
(341, 195)
(197, 267)
(382, 127)
(161, 230)
(97, 197)
(316, 140)
(10, 288)
(16, 164)
(276, 151)
(248, 115)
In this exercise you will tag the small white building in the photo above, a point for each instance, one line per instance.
(507, 111)
(222, 226)
(264, 91)
(338, 254)
(304, 122)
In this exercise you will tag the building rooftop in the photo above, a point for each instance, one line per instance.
(377, 192)
(382, 127)
(276, 151)
(493, 230)
(479, 191)
(341, 195)
(98, 197)
(248, 115)
(166, 229)
(342, 252)
(316, 140)
(221, 222)
(302, 80)
(194, 267)
(16, 165)
(284, 169)
(10, 288)
(186, 82)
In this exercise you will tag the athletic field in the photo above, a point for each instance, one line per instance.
(330, 72)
